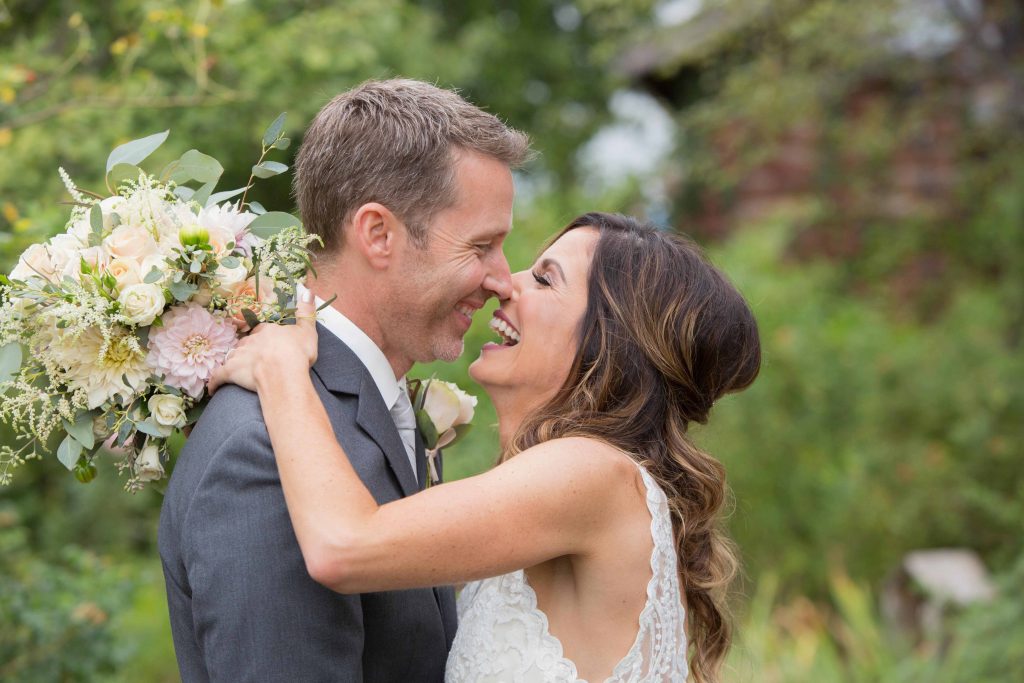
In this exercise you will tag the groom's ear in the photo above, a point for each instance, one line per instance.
(374, 233)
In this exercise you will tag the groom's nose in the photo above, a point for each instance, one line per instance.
(498, 280)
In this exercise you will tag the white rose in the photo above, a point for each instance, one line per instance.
(147, 464)
(442, 405)
(467, 406)
(109, 207)
(80, 230)
(227, 277)
(64, 250)
(167, 410)
(34, 262)
(125, 271)
(129, 241)
(141, 303)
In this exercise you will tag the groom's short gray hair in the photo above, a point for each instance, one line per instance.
(393, 142)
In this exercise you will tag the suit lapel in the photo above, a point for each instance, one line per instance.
(342, 372)
(374, 417)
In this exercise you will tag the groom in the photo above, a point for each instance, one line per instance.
(410, 188)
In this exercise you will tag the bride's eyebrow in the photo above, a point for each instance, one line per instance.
(551, 263)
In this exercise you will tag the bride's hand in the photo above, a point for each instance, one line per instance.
(287, 349)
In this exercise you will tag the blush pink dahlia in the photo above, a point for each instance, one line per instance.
(191, 344)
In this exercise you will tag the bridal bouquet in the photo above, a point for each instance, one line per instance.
(110, 331)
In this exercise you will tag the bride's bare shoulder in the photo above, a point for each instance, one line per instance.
(580, 456)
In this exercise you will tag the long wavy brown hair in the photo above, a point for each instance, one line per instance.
(663, 337)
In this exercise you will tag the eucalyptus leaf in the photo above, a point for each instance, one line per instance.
(271, 223)
(153, 276)
(184, 192)
(122, 172)
(96, 219)
(273, 131)
(268, 169)
(257, 208)
(123, 433)
(10, 360)
(218, 197)
(81, 429)
(282, 143)
(68, 452)
(193, 413)
(202, 195)
(135, 151)
(194, 165)
(182, 290)
(230, 262)
(152, 428)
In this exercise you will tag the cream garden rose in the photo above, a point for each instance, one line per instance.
(141, 303)
(147, 464)
(167, 410)
(34, 262)
(125, 271)
(129, 241)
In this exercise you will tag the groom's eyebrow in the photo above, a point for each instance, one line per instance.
(551, 263)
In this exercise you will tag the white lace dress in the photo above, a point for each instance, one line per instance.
(503, 637)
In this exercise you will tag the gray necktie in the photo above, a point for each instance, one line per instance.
(405, 419)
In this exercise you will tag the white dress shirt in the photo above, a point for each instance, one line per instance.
(368, 353)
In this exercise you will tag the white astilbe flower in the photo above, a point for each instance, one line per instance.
(155, 208)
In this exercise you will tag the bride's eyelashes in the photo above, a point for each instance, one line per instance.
(542, 280)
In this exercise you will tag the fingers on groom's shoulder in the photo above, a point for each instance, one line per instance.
(305, 311)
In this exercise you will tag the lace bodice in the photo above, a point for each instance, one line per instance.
(503, 637)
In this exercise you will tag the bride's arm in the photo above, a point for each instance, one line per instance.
(548, 501)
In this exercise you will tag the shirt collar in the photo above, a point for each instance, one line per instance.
(365, 349)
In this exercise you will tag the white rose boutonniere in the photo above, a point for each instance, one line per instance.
(443, 415)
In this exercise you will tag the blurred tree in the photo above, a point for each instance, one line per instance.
(898, 125)
(80, 78)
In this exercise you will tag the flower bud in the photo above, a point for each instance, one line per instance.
(85, 471)
(193, 236)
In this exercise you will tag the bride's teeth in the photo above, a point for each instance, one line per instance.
(505, 331)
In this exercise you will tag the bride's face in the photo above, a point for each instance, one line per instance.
(537, 326)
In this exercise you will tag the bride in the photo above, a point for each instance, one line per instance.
(593, 548)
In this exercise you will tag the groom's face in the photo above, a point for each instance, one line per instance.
(440, 287)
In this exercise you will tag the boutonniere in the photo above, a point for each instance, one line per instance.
(443, 415)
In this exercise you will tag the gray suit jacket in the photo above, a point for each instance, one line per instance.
(242, 606)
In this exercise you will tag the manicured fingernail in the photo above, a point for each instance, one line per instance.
(306, 296)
